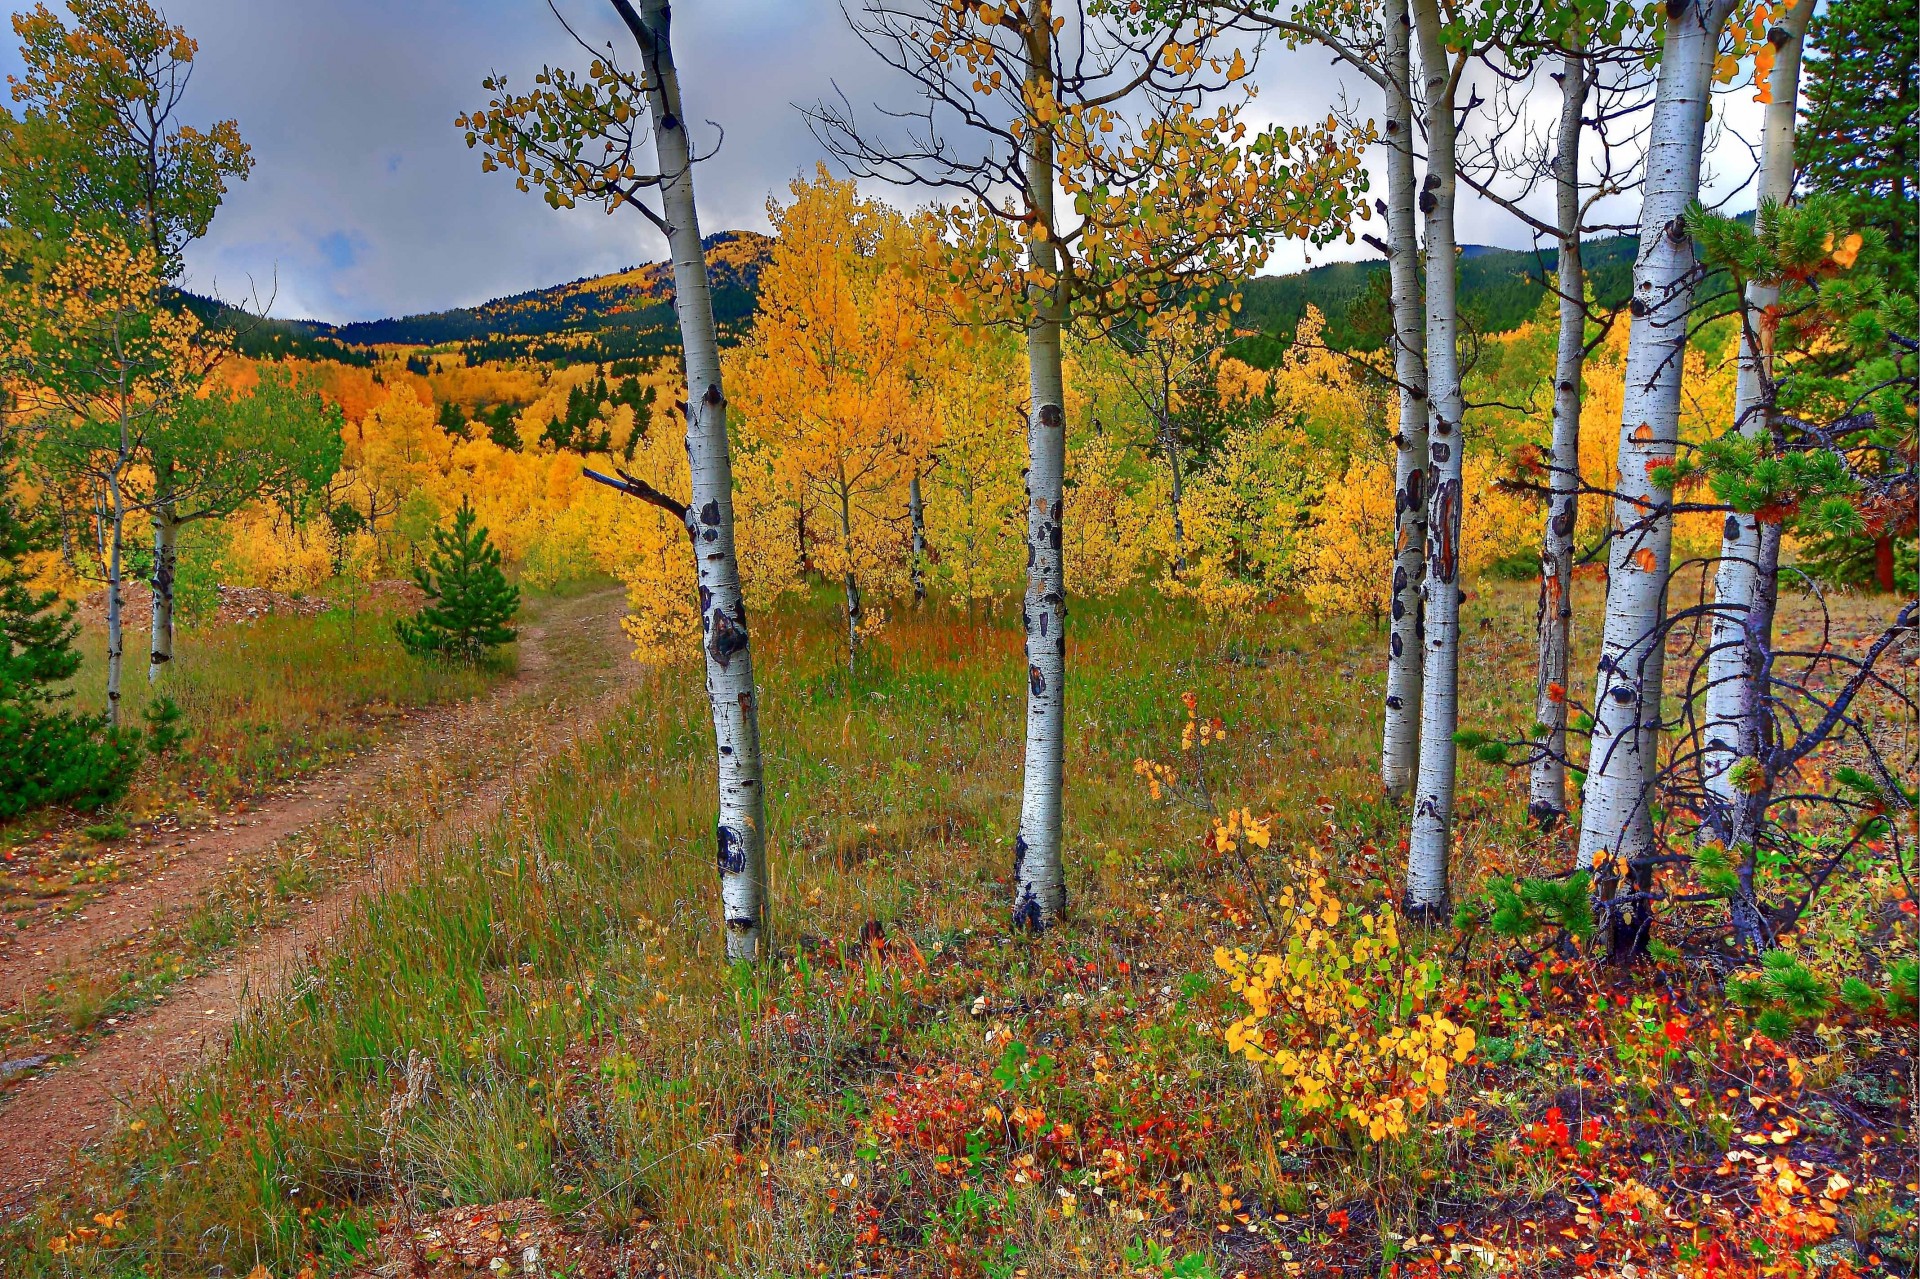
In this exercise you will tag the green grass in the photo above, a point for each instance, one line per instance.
(560, 976)
(270, 699)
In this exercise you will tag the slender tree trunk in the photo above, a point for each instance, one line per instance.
(1427, 895)
(1737, 579)
(742, 820)
(1755, 742)
(849, 583)
(1170, 443)
(1547, 785)
(917, 516)
(116, 519)
(1616, 821)
(1400, 740)
(166, 556)
(1039, 872)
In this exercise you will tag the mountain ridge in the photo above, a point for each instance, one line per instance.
(629, 313)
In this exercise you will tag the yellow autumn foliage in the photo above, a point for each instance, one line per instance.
(1339, 1015)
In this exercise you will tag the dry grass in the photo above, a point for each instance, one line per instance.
(828, 1113)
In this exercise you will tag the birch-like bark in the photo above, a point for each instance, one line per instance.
(1737, 579)
(741, 828)
(849, 583)
(917, 516)
(1749, 805)
(166, 559)
(1616, 818)
(116, 521)
(1040, 884)
(1427, 896)
(1400, 739)
(1547, 783)
(1170, 444)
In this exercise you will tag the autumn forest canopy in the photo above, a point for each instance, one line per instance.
(977, 731)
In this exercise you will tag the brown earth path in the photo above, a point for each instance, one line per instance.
(573, 668)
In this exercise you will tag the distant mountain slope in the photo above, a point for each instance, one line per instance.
(639, 298)
(630, 313)
(1499, 290)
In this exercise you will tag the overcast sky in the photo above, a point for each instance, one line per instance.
(365, 202)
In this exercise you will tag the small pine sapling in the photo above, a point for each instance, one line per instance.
(469, 600)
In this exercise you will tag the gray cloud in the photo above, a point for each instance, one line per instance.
(365, 202)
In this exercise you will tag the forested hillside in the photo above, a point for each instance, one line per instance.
(997, 741)
(629, 313)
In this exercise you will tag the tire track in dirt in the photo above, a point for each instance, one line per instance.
(49, 1117)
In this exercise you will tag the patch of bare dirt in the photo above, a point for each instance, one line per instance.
(49, 1108)
(520, 1236)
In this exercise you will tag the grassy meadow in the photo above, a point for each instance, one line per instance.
(539, 1013)
(272, 697)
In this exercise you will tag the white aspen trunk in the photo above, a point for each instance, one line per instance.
(1547, 781)
(849, 584)
(1737, 577)
(1170, 442)
(1039, 872)
(1427, 896)
(1616, 820)
(917, 516)
(1400, 739)
(1750, 926)
(741, 829)
(116, 636)
(166, 558)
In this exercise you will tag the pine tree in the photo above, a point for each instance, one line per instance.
(469, 601)
(48, 754)
(1862, 138)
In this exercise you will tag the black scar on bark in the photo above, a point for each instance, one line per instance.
(1622, 694)
(1400, 577)
(1399, 609)
(1036, 682)
(1019, 854)
(1393, 702)
(743, 925)
(1043, 626)
(1545, 813)
(1441, 452)
(710, 514)
(714, 397)
(1416, 487)
(1563, 522)
(1027, 915)
(1394, 642)
(733, 851)
(729, 636)
(1446, 556)
(1732, 531)
(1053, 536)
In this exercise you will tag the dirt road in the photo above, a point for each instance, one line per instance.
(445, 771)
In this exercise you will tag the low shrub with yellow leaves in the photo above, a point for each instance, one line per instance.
(1341, 1016)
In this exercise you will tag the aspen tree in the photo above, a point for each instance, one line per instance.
(101, 365)
(829, 401)
(1378, 44)
(1616, 825)
(579, 137)
(1750, 549)
(104, 148)
(1427, 896)
(1601, 79)
(1099, 188)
